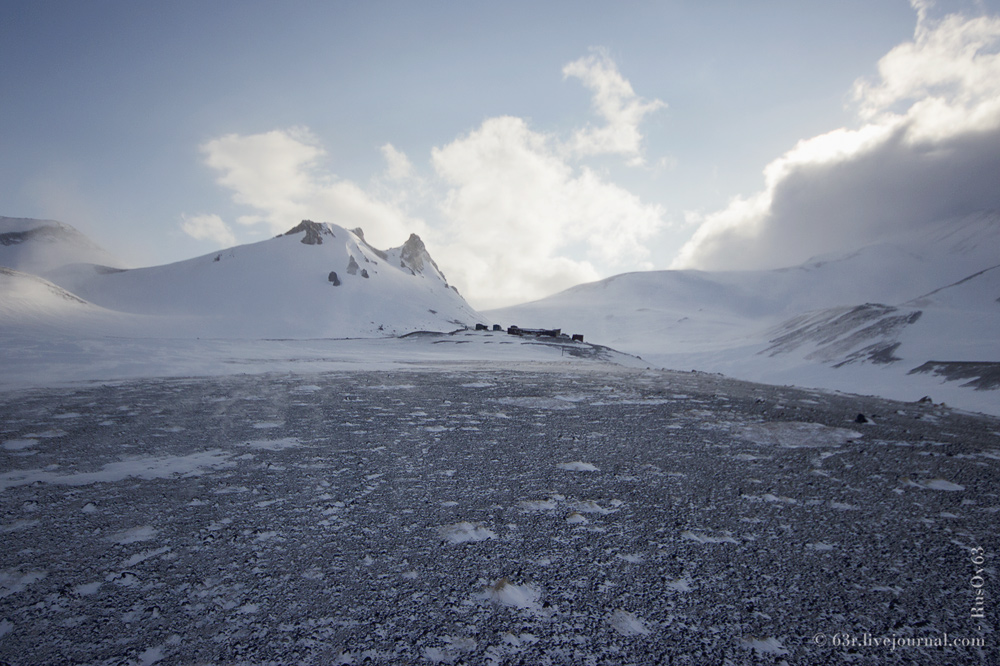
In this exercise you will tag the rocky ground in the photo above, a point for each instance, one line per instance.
(486, 515)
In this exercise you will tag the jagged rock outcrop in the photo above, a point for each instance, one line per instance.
(334, 280)
(352, 266)
(314, 232)
(413, 254)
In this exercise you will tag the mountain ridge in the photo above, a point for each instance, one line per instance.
(316, 280)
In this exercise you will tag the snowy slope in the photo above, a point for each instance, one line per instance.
(317, 280)
(38, 317)
(30, 300)
(858, 322)
(39, 246)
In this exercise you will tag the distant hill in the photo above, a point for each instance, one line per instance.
(861, 321)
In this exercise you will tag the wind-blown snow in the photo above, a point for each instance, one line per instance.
(40, 246)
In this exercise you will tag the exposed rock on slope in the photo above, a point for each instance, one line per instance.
(413, 255)
(314, 232)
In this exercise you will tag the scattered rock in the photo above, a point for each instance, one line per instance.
(861, 418)
(352, 266)
(333, 278)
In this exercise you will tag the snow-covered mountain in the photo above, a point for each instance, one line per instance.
(39, 246)
(317, 280)
(860, 322)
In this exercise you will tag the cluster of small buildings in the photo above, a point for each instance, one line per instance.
(533, 332)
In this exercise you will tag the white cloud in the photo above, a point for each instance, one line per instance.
(208, 227)
(927, 149)
(616, 102)
(515, 212)
(517, 221)
(398, 164)
(280, 176)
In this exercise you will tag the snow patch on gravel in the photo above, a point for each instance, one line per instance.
(797, 435)
(505, 593)
(274, 444)
(628, 624)
(465, 532)
(536, 402)
(938, 484)
(18, 444)
(578, 466)
(193, 464)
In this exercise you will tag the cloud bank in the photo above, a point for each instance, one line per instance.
(516, 215)
(515, 212)
(280, 176)
(927, 149)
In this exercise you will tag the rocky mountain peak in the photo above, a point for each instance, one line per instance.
(414, 254)
(314, 232)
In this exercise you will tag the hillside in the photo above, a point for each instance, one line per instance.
(317, 280)
(857, 322)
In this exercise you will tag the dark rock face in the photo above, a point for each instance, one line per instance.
(48, 233)
(414, 253)
(18, 237)
(332, 277)
(840, 334)
(414, 256)
(314, 232)
(981, 375)
(364, 272)
(352, 266)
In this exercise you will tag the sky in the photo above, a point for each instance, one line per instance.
(533, 146)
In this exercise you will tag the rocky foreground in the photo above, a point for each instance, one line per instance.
(493, 516)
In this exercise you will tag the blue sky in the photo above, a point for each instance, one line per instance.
(532, 145)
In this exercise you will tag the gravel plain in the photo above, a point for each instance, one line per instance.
(487, 515)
